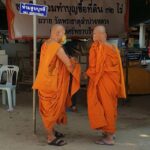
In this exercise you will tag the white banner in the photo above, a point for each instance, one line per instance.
(78, 16)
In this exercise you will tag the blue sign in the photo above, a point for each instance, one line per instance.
(32, 9)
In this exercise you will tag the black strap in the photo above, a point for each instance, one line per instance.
(57, 142)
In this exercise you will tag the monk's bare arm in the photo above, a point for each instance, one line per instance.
(65, 59)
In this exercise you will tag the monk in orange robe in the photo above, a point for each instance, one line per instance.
(52, 83)
(106, 85)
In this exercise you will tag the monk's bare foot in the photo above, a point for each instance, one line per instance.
(53, 138)
(106, 140)
(50, 138)
(104, 134)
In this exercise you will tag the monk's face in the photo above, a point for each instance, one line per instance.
(99, 35)
(58, 33)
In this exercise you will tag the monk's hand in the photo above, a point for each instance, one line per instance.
(71, 67)
(74, 60)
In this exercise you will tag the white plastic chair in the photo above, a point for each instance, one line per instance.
(9, 87)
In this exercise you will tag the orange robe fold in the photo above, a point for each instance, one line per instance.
(106, 85)
(52, 83)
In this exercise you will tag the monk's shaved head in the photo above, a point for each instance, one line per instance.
(57, 28)
(100, 28)
(99, 33)
(57, 32)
